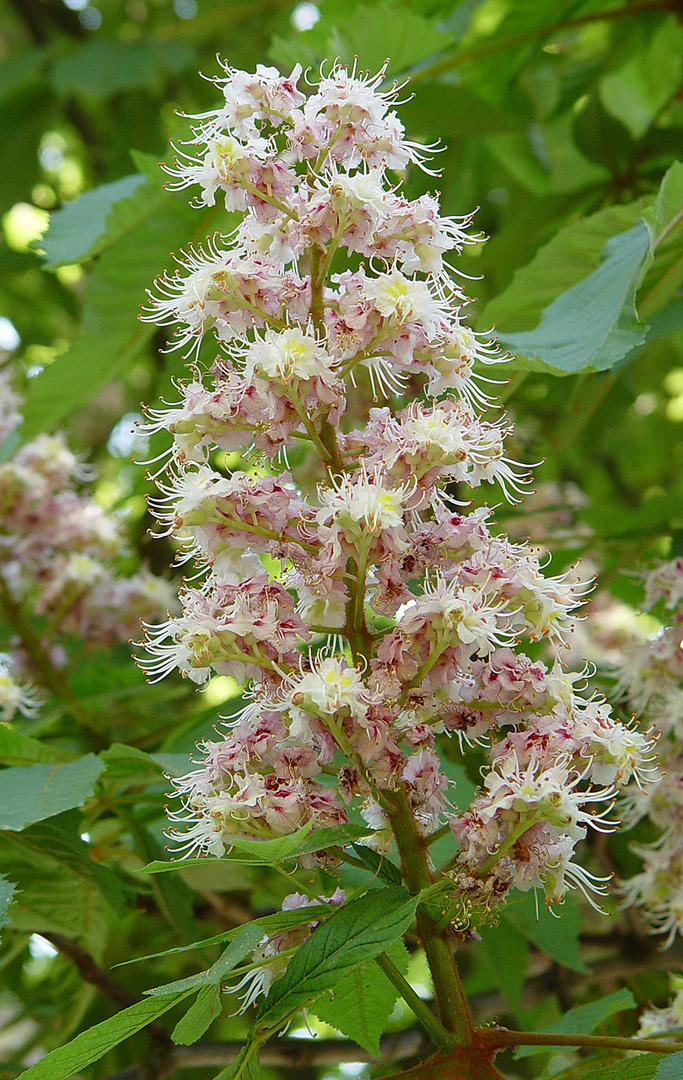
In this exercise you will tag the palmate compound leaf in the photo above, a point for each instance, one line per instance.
(93, 1044)
(43, 790)
(361, 1004)
(583, 1019)
(355, 934)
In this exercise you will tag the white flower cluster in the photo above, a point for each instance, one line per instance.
(58, 552)
(650, 679)
(394, 620)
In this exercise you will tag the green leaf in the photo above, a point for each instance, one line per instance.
(18, 749)
(664, 219)
(643, 1067)
(270, 852)
(75, 229)
(7, 889)
(356, 933)
(450, 109)
(269, 924)
(102, 68)
(147, 227)
(58, 841)
(379, 865)
(593, 324)
(545, 160)
(368, 33)
(246, 1065)
(603, 140)
(572, 254)
(583, 1019)
(41, 791)
(670, 1067)
(557, 937)
(635, 92)
(51, 897)
(199, 1017)
(505, 951)
(93, 1044)
(244, 942)
(361, 1004)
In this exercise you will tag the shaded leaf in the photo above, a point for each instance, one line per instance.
(602, 138)
(74, 230)
(635, 92)
(51, 898)
(93, 1044)
(18, 749)
(594, 324)
(246, 1065)
(557, 938)
(506, 952)
(102, 68)
(58, 841)
(7, 889)
(584, 1019)
(41, 791)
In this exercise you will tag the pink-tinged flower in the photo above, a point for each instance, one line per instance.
(16, 694)
(365, 512)
(426, 788)
(227, 291)
(251, 100)
(447, 614)
(229, 627)
(218, 518)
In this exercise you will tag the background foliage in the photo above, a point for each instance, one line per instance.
(562, 122)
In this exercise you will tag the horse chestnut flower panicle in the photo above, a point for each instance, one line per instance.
(61, 558)
(372, 618)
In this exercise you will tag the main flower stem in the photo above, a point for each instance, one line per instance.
(450, 997)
